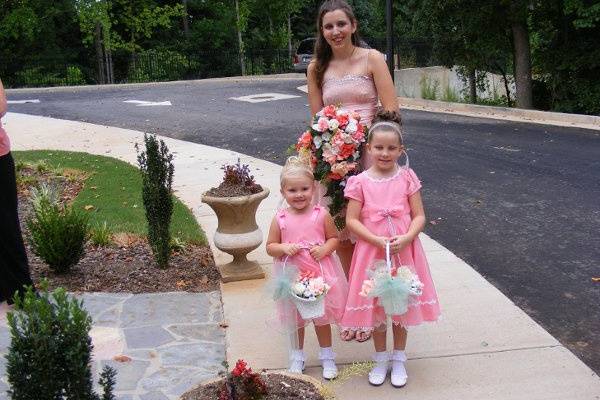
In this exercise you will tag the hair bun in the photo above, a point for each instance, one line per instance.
(383, 115)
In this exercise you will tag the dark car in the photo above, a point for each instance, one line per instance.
(303, 55)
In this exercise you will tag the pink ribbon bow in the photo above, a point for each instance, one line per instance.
(386, 213)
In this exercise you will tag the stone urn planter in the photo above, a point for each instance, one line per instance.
(237, 233)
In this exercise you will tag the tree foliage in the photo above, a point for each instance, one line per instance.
(478, 35)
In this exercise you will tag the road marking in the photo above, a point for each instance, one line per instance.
(262, 97)
(23, 101)
(142, 103)
(303, 88)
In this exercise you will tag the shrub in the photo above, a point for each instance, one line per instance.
(58, 234)
(429, 88)
(101, 235)
(50, 350)
(156, 166)
(450, 95)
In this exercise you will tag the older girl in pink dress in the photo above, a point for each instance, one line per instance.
(385, 207)
(344, 73)
(304, 235)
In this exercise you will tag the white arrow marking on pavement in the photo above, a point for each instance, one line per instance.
(23, 101)
(259, 98)
(142, 103)
(303, 88)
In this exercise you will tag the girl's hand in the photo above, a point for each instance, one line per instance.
(290, 249)
(380, 241)
(398, 243)
(318, 252)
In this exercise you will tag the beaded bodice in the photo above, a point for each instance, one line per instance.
(352, 93)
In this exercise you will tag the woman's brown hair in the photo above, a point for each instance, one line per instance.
(323, 51)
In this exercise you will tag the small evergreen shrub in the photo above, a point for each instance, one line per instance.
(156, 167)
(50, 351)
(58, 234)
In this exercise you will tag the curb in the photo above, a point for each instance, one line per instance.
(502, 113)
(247, 78)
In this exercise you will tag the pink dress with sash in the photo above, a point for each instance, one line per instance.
(385, 207)
(308, 229)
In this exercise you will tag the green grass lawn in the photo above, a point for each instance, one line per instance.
(113, 189)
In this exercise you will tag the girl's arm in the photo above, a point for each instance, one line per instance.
(353, 223)
(331, 243)
(274, 246)
(2, 100)
(315, 96)
(383, 81)
(417, 223)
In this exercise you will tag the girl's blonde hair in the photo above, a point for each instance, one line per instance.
(295, 166)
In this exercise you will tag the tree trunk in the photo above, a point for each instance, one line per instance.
(289, 21)
(472, 86)
(239, 35)
(522, 57)
(186, 25)
(99, 53)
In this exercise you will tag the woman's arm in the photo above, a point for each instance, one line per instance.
(353, 223)
(2, 100)
(315, 96)
(383, 81)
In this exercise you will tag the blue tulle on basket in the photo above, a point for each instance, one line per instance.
(282, 283)
(392, 294)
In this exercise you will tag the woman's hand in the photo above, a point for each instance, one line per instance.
(318, 252)
(399, 242)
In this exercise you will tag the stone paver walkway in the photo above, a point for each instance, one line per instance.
(174, 341)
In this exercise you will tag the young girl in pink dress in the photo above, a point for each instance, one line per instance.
(304, 235)
(385, 207)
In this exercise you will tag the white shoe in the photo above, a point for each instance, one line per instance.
(327, 358)
(296, 361)
(379, 372)
(399, 375)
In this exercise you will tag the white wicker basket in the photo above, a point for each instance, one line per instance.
(309, 308)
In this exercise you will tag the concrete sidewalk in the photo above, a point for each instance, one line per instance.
(484, 347)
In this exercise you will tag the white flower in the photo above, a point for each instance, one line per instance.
(347, 139)
(333, 124)
(317, 140)
(298, 288)
(326, 136)
(352, 126)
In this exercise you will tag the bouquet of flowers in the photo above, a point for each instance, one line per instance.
(308, 294)
(393, 291)
(333, 145)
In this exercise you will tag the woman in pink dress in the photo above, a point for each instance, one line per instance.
(14, 269)
(385, 209)
(345, 74)
(304, 236)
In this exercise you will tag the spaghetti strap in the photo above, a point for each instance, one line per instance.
(367, 62)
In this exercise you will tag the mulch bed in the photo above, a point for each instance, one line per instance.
(125, 266)
(278, 387)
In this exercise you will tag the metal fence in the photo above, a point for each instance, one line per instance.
(167, 65)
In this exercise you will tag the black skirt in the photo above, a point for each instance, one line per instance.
(14, 269)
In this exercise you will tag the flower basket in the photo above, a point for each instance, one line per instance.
(393, 292)
(308, 292)
(310, 308)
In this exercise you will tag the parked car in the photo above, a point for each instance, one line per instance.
(303, 55)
